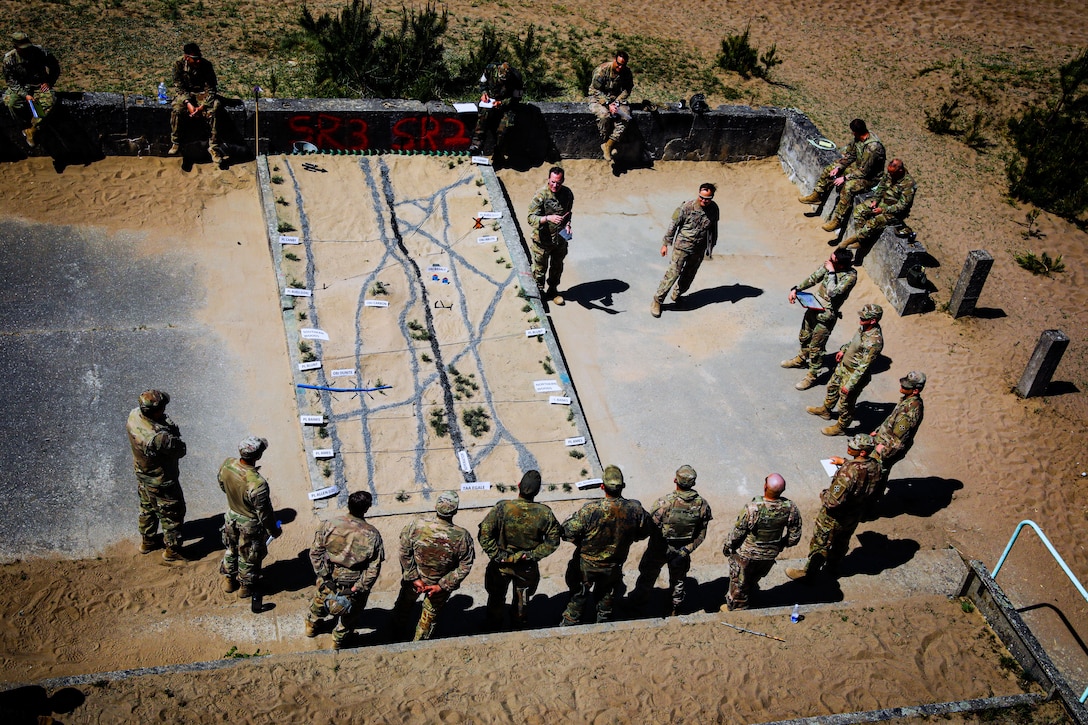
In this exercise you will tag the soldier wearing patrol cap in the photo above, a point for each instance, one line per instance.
(895, 436)
(435, 557)
(680, 523)
(852, 372)
(843, 503)
(31, 71)
(765, 527)
(156, 449)
(249, 519)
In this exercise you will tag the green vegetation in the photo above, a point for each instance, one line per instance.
(738, 55)
(576, 454)
(378, 289)
(291, 256)
(416, 331)
(465, 387)
(477, 421)
(547, 363)
(402, 496)
(235, 654)
(284, 227)
(438, 422)
(276, 179)
(1041, 264)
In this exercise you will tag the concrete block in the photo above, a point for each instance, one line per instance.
(1044, 361)
(969, 286)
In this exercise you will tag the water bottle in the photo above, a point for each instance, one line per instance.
(795, 616)
(163, 98)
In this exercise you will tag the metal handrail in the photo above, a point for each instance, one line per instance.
(1057, 557)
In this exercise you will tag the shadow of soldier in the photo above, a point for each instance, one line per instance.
(32, 705)
(203, 537)
(877, 553)
(920, 497)
(732, 293)
(289, 575)
(597, 295)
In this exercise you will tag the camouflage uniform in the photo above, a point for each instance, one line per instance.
(248, 522)
(501, 82)
(436, 552)
(347, 556)
(611, 86)
(515, 535)
(843, 503)
(549, 248)
(156, 449)
(860, 166)
(694, 230)
(894, 197)
(680, 521)
(602, 532)
(26, 68)
(817, 325)
(852, 372)
(192, 82)
(763, 529)
(896, 434)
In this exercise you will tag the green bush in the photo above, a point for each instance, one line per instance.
(1041, 264)
(740, 56)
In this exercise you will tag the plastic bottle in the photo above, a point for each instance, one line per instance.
(795, 616)
(163, 98)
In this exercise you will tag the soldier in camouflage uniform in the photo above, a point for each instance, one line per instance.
(249, 519)
(549, 218)
(891, 200)
(852, 372)
(843, 504)
(895, 436)
(31, 71)
(858, 170)
(196, 92)
(692, 235)
(602, 532)
(764, 528)
(156, 449)
(502, 86)
(347, 556)
(608, 93)
(515, 535)
(435, 557)
(680, 523)
(836, 278)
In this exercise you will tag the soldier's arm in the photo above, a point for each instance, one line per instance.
(319, 556)
(674, 226)
(737, 535)
(833, 495)
(647, 526)
(408, 566)
(905, 198)
(813, 278)
(627, 83)
(211, 83)
(52, 69)
(862, 362)
(700, 535)
(573, 529)
(849, 155)
(793, 526)
(596, 87)
(489, 532)
(838, 285)
(466, 555)
(550, 541)
(536, 210)
(261, 498)
(166, 445)
(181, 85)
(870, 158)
(373, 569)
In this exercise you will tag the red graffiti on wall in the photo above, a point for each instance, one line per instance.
(327, 131)
(428, 133)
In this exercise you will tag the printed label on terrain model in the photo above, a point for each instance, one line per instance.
(343, 372)
(312, 333)
(324, 453)
(576, 441)
(476, 486)
(323, 493)
(558, 400)
(312, 365)
(312, 419)
(546, 386)
(439, 270)
(375, 303)
(289, 240)
(487, 239)
(491, 215)
(589, 483)
(296, 292)
(462, 458)
(481, 161)
(535, 332)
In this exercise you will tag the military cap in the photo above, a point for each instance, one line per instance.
(871, 312)
(151, 400)
(914, 380)
(613, 479)
(862, 442)
(685, 477)
(20, 40)
(252, 447)
(447, 503)
(530, 483)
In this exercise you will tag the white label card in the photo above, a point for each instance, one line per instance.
(481, 161)
(546, 386)
(462, 458)
(297, 292)
(312, 333)
(324, 453)
(476, 486)
(323, 493)
(576, 441)
(535, 332)
(558, 400)
(491, 215)
(375, 303)
(589, 483)
(439, 270)
(312, 365)
(312, 419)
(343, 373)
(486, 240)
(289, 240)
(464, 107)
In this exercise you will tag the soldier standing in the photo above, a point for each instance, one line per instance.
(858, 170)
(608, 92)
(501, 89)
(763, 529)
(549, 218)
(347, 556)
(602, 532)
(435, 557)
(516, 535)
(156, 449)
(249, 519)
(891, 200)
(31, 71)
(680, 523)
(852, 372)
(836, 278)
(196, 92)
(843, 503)
(895, 436)
(692, 235)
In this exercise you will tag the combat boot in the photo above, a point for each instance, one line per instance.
(29, 135)
(821, 411)
(850, 242)
(807, 382)
(675, 296)
(813, 198)
(832, 224)
(793, 573)
(553, 295)
(794, 362)
(148, 544)
(174, 150)
(836, 429)
(338, 643)
(311, 629)
(229, 583)
(171, 553)
(655, 308)
(608, 148)
(244, 591)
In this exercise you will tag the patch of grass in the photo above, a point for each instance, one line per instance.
(500, 487)
(284, 227)
(326, 470)
(943, 123)
(322, 433)
(402, 496)
(1041, 264)
(1032, 231)
(973, 136)
(378, 288)
(479, 182)
(304, 347)
(738, 55)
(552, 487)
(291, 256)
(466, 387)
(477, 421)
(276, 179)
(425, 358)
(967, 605)
(235, 654)
(547, 364)
(281, 201)
(576, 454)
(567, 488)
(301, 315)
(416, 331)
(527, 308)
(438, 422)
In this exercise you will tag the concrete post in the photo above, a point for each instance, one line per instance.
(969, 285)
(1044, 361)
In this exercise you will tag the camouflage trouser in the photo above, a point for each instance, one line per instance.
(525, 576)
(211, 113)
(346, 622)
(816, 328)
(681, 271)
(161, 502)
(244, 540)
(428, 618)
(744, 576)
(867, 225)
(847, 191)
(586, 582)
(497, 121)
(653, 560)
(609, 126)
(20, 109)
(548, 260)
(830, 539)
(846, 402)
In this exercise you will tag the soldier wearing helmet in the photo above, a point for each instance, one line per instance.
(767, 525)
(156, 449)
(895, 436)
(851, 375)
